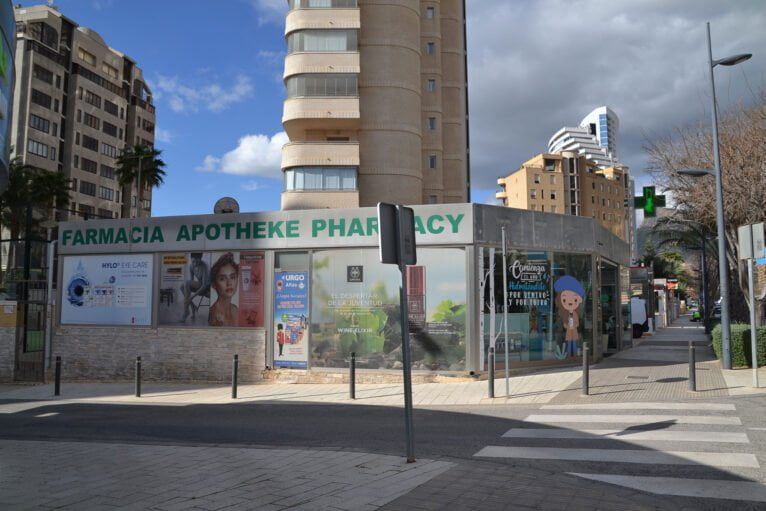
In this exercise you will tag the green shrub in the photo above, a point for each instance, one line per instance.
(741, 353)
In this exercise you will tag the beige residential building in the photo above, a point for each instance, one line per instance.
(568, 184)
(77, 104)
(376, 105)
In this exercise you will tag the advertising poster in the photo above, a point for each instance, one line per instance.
(291, 291)
(107, 290)
(224, 289)
(362, 315)
(251, 267)
(184, 289)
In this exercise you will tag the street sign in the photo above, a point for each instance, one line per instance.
(396, 234)
(751, 241)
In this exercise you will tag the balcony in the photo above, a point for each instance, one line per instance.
(325, 113)
(320, 199)
(321, 62)
(308, 154)
(301, 19)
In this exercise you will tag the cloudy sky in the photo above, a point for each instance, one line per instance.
(534, 66)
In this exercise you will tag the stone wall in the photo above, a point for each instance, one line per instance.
(7, 353)
(167, 354)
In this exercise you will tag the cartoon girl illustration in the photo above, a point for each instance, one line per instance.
(569, 298)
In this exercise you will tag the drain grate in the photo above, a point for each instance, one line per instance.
(636, 377)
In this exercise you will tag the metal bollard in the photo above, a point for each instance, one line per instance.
(692, 369)
(57, 385)
(138, 376)
(234, 372)
(585, 370)
(352, 376)
(491, 376)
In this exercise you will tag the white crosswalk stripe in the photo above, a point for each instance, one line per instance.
(706, 437)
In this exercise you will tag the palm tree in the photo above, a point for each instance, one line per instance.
(140, 162)
(30, 187)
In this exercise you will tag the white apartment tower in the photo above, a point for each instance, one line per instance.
(376, 106)
(77, 104)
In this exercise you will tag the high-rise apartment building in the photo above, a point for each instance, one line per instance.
(77, 104)
(569, 184)
(595, 138)
(376, 105)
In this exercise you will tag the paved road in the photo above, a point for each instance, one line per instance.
(641, 440)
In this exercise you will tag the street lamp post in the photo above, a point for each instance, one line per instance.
(723, 265)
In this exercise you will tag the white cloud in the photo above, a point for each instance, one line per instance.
(270, 11)
(163, 136)
(212, 96)
(209, 164)
(256, 155)
(252, 186)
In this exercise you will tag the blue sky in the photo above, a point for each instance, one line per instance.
(533, 66)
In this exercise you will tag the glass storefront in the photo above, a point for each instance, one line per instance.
(550, 309)
(355, 308)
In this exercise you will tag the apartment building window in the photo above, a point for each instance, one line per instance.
(88, 188)
(58, 81)
(553, 195)
(89, 165)
(86, 56)
(89, 142)
(55, 105)
(592, 199)
(105, 193)
(553, 209)
(41, 98)
(110, 71)
(322, 85)
(93, 99)
(43, 74)
(91, 120)
(322, 40)
(532, 193)
(429, 13)
(432, 123)
(76, 161)
(107, 171)
(320, 178)
(73, 186)
(39, 123)
(542, 208)
(44, 33)
(532, 207)
(37, 148)
(433, 199)
(110, 129)
(52, 152)
(321, 4)
(87, 211)
(111, 108)
(431, 85)
(104, 213)
(593, 185)
(108, 150)
(432, 161)
(601, 187)
(549, 165)
(430, 48)
(55, 129)
(552, 179)
(603, 202)
(537, 179)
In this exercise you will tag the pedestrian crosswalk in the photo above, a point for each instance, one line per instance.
(604, 441)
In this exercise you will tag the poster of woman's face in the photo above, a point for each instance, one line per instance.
(224, 289)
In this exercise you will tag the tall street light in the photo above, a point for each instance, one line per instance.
(723, 265)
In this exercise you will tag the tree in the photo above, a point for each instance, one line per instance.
(143, 160)
(32, 194)
(742, 135)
